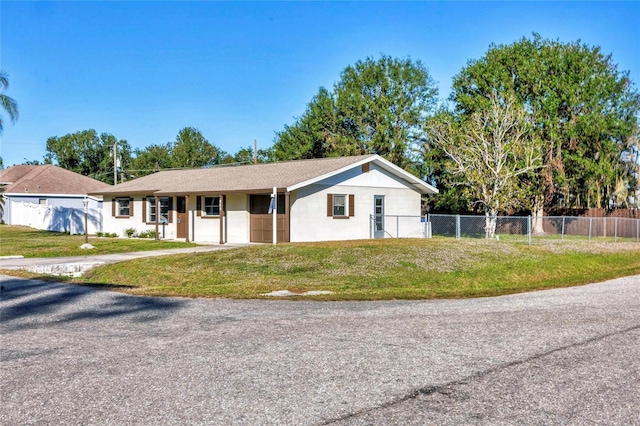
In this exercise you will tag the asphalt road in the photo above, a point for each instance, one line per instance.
(77, 355)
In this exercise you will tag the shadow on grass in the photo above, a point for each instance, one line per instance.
(34, 303)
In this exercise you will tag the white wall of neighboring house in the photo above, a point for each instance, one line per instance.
(52, 217)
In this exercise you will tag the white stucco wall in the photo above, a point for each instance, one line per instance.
(308, 211)
(237, 225)
(202, 229)
(119, 224)
(309, 220)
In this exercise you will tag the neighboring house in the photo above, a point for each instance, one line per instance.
(323, 199)
(51, 198)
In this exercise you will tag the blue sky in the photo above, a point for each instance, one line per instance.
(240, 71)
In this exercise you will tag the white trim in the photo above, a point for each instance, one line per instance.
(45, 195)
(418, 184)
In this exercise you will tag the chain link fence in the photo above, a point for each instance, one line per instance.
(526, 229)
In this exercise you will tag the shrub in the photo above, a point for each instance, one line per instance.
(99, 234)
(111, 235)
(130, 232)
(149, 233)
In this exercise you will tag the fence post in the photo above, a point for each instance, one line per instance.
(562, 235)
(397, 226)
(590, 222)
(370, 226)
(529, 229)
(457, 227)
(615, 230)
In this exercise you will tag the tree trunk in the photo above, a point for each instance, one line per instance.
(538, 216)
(491, 220)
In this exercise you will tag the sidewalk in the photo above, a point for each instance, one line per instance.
(76, 265)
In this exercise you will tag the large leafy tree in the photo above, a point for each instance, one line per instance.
(581, 107)
(89, 154)
(377, 106)
(191, 149)
(8, 104)
(151, 159)
(489, 150)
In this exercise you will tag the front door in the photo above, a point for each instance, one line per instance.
(378, 216)
(182, 219)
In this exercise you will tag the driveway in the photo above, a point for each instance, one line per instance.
(77, 355)
(83, 263)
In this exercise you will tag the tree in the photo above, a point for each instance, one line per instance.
(89, 154)
(581, 107)
(315, 134)
(245, 156)
(377, 107)
(490, 150)
(8, 104)
(191, 149)
(151, 159)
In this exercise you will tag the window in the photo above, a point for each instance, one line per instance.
(164, 209)
(339, 204)
(212, 206)
(123, 207)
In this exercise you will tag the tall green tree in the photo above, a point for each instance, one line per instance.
(581, 107)
(191, 149)
(151, 159)
(89, 154)
(377, 106)
(246, 156)
(490, 150)
(8, 104)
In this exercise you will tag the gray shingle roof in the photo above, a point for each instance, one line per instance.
(226, 179)
(253, 177)
(48, 179)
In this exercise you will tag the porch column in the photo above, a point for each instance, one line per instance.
(186, 210)
(157, 201)
(287, 218)
(222, 215)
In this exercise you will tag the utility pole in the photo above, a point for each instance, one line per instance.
(255, 151)
(115, 163)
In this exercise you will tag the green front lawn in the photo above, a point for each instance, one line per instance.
(29, 242)
(374, 269)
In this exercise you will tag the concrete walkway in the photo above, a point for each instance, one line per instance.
(75, 265)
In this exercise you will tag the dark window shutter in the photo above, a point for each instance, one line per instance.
(198, 205)
(352, 206)
(144, 209)
(170, 209)
(329, 205)
(130, 206)
(113, 207)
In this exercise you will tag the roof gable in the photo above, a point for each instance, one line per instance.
(14, 173)
(50, 179)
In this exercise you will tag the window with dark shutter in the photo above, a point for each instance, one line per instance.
(352, 204)
(198, 205)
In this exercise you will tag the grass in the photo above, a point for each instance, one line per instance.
(374, 269)
(352, 270)
(29, 242)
